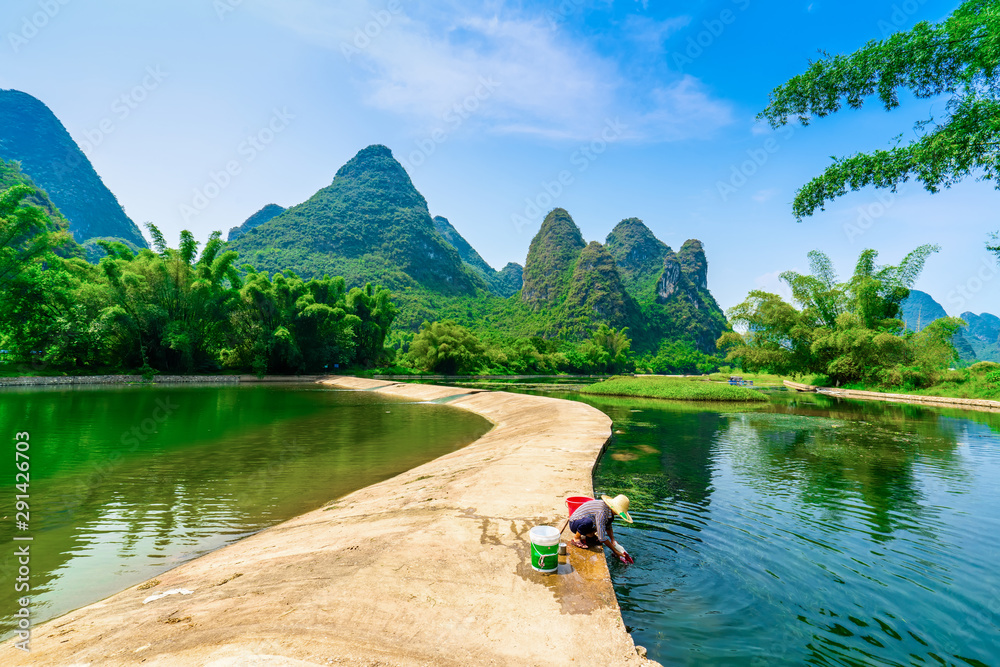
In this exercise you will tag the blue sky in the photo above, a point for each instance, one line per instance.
(500, 111)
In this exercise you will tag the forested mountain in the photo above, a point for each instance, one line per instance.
(31, 135)
(671, 289)
(255, 220)
(369, 225)
(983, 335)
(551, 258)
(503, 283)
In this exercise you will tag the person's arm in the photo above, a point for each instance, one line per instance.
(617, 549)
(610, 542)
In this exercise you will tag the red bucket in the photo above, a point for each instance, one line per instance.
(575, 501)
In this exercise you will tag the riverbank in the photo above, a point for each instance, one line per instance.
(427, 568)
(917, 399)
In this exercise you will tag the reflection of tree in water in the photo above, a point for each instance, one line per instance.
(831, 451)
(225, 461)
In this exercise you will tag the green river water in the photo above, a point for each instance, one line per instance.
(807, 531)
(128, 482)
(803, 531)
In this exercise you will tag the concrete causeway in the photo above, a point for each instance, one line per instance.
(427, 568)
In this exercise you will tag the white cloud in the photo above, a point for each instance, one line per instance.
(420, 62)
(650, 33)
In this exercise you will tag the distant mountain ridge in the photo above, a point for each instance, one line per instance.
(505, 282)
(983, 335)
(31, 135)
(256, 220)
(369, 225)
(372, 225)
(632, 280)
(979, 341)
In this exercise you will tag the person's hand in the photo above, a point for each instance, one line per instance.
(625, 558)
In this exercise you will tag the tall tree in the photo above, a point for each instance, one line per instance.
(849, 331)
(957, 57)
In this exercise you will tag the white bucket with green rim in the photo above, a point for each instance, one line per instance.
(544, 548)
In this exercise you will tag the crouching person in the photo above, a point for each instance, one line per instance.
(594, 518)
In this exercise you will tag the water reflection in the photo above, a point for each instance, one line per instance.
(127, 482)
(808, 531)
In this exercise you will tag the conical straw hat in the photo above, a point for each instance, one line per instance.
(619, 505)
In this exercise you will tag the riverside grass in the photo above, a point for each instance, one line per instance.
(673, 388)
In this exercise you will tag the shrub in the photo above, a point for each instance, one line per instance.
(445, 347)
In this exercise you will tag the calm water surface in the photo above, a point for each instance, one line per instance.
(128, 482)
(808, 531)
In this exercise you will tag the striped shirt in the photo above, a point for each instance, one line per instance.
(602, 515)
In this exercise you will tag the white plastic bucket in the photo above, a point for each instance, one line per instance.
(544, 548)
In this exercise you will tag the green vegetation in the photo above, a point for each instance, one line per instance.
(957, 57)
(446, 347)
(673, 388)
(256, 220)
(170, 310)
(979, 381)
(677, 358)
(551, 258)
(848, 332)
(371, 225)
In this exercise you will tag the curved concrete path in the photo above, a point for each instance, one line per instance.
(427, 568)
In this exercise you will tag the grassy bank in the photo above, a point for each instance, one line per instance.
(979, 381)
(673, 388)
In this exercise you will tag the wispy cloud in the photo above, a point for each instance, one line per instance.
(550, 82)
(650, 33)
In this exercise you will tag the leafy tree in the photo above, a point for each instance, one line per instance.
(957, 57)
(26, 233)
(778, 337)
(679, 357)
(376, 312)
(445, 347)
(608, 349)
(848, 331)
